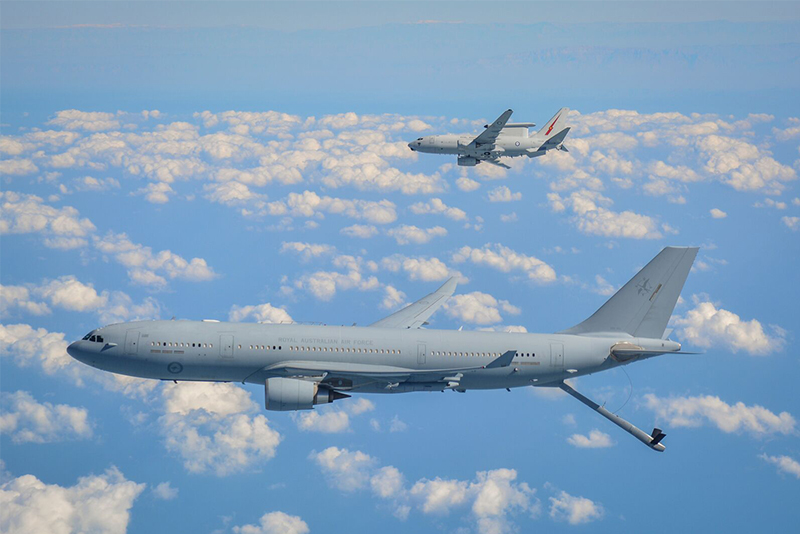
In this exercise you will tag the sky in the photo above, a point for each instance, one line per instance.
(248, 162)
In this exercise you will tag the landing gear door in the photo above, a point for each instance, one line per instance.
(557, 355)
(226, 346)
(132, 342)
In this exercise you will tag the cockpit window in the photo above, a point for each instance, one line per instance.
(96, 339)
(86, 336)
(420, 139)
(99, 339)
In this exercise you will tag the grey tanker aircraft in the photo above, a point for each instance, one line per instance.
(499, 139)
(301, 366)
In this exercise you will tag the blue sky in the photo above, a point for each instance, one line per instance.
(248, 162)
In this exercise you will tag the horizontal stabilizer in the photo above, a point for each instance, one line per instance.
(504, 360)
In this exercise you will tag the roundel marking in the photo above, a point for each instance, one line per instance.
(175, 368)
(517, 143)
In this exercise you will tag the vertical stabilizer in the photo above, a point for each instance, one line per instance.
(554, 125)
(643, 306)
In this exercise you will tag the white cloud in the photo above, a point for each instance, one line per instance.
(165, 491)
(19, 297)
(27, 345)
(347, 471)
(790, 132)
(392, 299)
(359, 230)
(595, 440)
(275, 523)
(708, 326)
(387, 482)
(574, 510)
(310, 204)
(28, 421)
(69, 293)
(503, 194)
(504, 259)
(467, 184)
(263, 313)
(478, 308)
(417, 268)
(91, 121)
(717, 213)
(17, 167)
(793, 223)
(156, 192)
(61, 227)
(396, 425)
(406, 234)
(144, 264)
(89, 183)
(209, 426)
(97, 503)
(592, 217)
(695, 411)
(437, 206)
(785, 464)
(307, 251)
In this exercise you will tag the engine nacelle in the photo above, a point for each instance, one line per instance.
(467, 161)
(286, 394)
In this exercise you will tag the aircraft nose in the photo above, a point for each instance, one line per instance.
(411, 146)
(74, 351)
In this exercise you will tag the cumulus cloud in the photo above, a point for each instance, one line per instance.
(503, 194)
(792, 223)
(592, 216)
(156, 192)
(144, 265)
(717, 213)
(91, 121)
(275, 523)
(418, 268)
(19, 298)
(467, 184)
(504, 259)
(28, 421)
(706, 325)
(210, 426)
(310, 204)
(345, 470)
(478, 308)
(332, 421)
(438, 207)
(307, 251)
(97, 503)
(406, 234)
(574, 510)
(17, 167)
(359, 230)
(165, 491)
(61, 228)
(785, 464)
(696, 411)
(263, 313)
(595, 440)
(493, 497)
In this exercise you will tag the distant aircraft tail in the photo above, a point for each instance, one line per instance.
(643, 306)
(555, 125)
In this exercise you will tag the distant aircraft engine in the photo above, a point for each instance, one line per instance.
(467, 161)
(286, 394)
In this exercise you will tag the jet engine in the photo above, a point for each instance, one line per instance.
(467, 161)
(286, 394)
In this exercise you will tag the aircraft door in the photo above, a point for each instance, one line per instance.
(132, 342)
(421, 353)
(226, 346)
(557, 355)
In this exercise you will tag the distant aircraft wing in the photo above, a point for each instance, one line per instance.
(415, 315)
(489, 135)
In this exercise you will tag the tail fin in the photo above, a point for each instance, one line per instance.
(554, 125)
(643, 306)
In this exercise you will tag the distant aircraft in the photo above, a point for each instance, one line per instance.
(499, 139)
(303, 365)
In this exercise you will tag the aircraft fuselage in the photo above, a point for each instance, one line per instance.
(244, 352)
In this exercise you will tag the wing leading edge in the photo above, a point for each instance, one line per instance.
(415, 315)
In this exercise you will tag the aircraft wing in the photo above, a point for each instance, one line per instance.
(489, 135)
(415, 315)
(343, 375)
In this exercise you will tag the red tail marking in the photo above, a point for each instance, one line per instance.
(551, 126)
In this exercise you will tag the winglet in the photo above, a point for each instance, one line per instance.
(504, 360)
